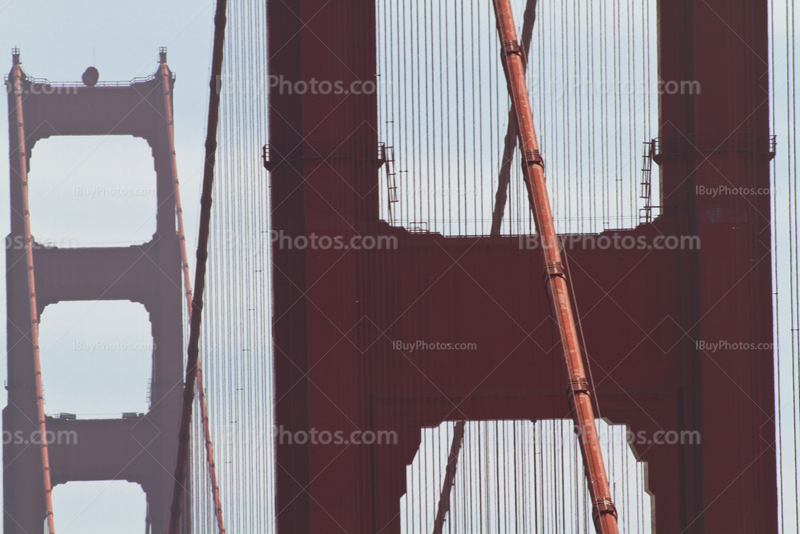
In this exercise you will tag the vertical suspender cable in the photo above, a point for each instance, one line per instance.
(200, 268)
(166, 84)
(603, 512)
(16, 76)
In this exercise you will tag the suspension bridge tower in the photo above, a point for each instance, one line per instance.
(337, 312)
(141, 448)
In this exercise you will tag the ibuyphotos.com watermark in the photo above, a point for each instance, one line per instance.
(420, 345)
(616, 242)
(725, 345)
(106, 346)
(282, 86)
(726, 190)
(575, 84)
(336, 242)
(314, 436)
(17, 242)
(26, 89)
(663, 437)
(640, 438)
(103, 191)
(60, 437)
(555, 86)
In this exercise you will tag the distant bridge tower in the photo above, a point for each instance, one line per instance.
(141, 449)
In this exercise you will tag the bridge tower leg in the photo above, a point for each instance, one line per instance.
(715, 134)
(138, 449)
(326, 149)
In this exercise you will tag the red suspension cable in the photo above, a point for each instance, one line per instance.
(166, 83)
(603, 511)
(16, 77)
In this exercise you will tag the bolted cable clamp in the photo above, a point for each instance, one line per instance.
(553, 269)
(601, 507)
(534, 157)
(578, 385)
(511, 47)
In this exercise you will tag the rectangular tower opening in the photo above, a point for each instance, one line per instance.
(522, 476)
(443, 106)
(97, 358)
(92, 191)
(100, 506)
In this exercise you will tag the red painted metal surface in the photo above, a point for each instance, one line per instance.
(16, 80)
(135, 448)
(192, 361)
(336, 313)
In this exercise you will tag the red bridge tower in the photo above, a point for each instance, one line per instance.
(140, 449)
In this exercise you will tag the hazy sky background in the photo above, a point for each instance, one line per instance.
(84, 366)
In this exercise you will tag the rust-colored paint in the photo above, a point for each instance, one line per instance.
(641, 309)
(149, 274)
(604, 514)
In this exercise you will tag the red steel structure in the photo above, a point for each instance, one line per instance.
(337, 312)
(135, 449)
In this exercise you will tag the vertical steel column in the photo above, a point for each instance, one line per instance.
(603, 511)
(23, 166)
(166, 83)
(200, 269)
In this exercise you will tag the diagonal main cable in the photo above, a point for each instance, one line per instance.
(16, 80)
(200, 269)
(166, 82)
(603, 510)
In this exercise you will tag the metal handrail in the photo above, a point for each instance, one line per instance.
(45, 81)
